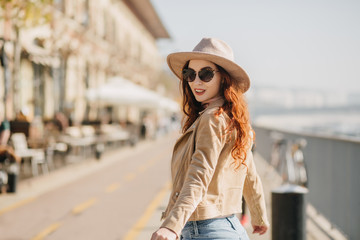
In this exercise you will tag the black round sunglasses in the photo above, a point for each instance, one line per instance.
(205, 74)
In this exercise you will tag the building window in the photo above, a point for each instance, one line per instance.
(106, 33)
(85, 14)
(60, 5)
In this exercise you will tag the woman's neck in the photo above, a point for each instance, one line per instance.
(207, 103)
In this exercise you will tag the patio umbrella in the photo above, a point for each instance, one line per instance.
(119, 91)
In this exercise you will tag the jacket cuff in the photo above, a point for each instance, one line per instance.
(172, 225)
(260, 221)
(258, 212)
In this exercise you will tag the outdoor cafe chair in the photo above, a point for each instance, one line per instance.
(35, 156)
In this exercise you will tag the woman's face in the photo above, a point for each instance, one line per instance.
(204, 92)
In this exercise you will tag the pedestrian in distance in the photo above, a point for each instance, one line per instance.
(4, 132)
(212, 165)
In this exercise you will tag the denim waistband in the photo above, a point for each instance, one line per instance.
(202, 222)
(215, 228)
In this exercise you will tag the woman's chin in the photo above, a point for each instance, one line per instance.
(200, 99)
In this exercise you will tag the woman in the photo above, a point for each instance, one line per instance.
(212, 164)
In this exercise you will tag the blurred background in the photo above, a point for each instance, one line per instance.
(60, 57)
(302, 57)
(85, 79)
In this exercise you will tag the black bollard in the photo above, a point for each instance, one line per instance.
(13, 173)
(288, 212)
(12, 182)
(99, 149)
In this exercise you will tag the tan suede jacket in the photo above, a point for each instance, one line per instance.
(204, 182)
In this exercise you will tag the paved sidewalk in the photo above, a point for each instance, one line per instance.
(272, 180)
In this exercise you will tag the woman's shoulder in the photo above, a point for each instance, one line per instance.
(215, 115)
(215, 112)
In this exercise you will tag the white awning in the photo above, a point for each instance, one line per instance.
(119, 91)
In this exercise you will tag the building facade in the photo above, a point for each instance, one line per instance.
(82, 45)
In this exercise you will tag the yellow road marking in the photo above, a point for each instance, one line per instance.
(141, 223)
(156, 159)
(16, 205)
(83, 206)
(142, 168)
(112, 188)
(47, 231)
(150, 163)
(130, 176)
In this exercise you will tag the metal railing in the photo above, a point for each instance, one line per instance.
(287, 157)
(333, 177)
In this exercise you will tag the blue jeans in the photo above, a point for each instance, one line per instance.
(215, 228)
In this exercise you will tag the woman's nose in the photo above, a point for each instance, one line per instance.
(197, 80)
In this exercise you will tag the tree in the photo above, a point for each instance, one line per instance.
(18, 14)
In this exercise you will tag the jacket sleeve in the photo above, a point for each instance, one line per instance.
(209, 141)
(254, 194)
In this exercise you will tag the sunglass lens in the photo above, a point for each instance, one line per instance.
(206, 75)
(189, 74)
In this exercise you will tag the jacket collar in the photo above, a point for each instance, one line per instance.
(214, 104)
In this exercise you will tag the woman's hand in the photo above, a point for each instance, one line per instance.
(260, 229)
(164, 234)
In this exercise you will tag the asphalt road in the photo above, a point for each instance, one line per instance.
(108, 202)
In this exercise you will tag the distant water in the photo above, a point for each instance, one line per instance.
(335, 123)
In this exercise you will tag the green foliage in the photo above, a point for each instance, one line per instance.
(26, 13)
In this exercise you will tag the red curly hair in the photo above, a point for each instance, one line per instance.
(234, 106)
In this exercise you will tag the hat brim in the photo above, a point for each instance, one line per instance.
(176, 62)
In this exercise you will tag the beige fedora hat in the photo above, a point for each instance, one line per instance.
(213, 50)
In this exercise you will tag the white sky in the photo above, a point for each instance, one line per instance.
(311, 44)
